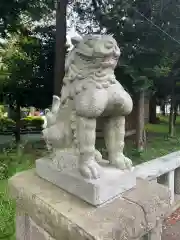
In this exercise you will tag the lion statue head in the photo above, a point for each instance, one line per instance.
(99, 49)
(92, 59)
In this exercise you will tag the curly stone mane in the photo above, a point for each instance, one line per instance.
(91, 61)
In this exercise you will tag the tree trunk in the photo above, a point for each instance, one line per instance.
(175, 113)
(11, 112)
(152, 109)
(60, 49)
(172, 108)
(171, 122)
(140, 122)
(17, 131)
(163, 109)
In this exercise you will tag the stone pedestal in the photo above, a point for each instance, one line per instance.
(27, 229)
(111, 184)
(177, 181)
(44, 211)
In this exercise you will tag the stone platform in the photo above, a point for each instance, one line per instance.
(112, 183)
(44, 211)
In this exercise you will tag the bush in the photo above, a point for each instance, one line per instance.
(6, 124)
(28, 123)
(32, 122)
(2, 111)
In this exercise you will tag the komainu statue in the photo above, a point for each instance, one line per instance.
(90, 92)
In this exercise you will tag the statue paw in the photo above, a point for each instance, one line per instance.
(90, 169)
(122, 162)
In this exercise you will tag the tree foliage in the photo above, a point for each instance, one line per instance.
(28, 69)
(143, 30)
(13, 13)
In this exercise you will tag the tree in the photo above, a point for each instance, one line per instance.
(136, 37)
(17, 63)
(161, 85)
(29, 64)
(14, 14)
(60, 45)
(34, 75)
(141, 29)
(174, 92)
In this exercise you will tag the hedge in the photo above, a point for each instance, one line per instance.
(6, 124)
(28, 123)
(32, 122)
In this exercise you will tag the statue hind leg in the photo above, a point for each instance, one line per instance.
(114, 132)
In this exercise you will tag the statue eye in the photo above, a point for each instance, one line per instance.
(89, 42)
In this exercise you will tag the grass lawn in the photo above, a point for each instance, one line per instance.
(11, 162)
(158, 144)
(7, 210)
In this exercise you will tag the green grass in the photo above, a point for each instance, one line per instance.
(7, 211)
(158, 142)
(11, 162)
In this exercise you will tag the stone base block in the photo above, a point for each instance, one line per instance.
(112, 183)
(27, 229)
(45, 211)
(64, 159)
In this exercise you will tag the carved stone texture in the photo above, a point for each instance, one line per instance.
(111, 184)
(156, 233)
(90, 91)
(177, 181)
(27, 229)
(22, 225)
(64, 216)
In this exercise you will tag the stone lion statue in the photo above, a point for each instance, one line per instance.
(90, 92)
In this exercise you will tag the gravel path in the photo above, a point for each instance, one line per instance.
(4, 139)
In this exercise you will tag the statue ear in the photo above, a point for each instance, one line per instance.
(75, 40)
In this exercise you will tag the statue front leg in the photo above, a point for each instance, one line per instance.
(89, 105)
(114, 132)
(86, 136)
